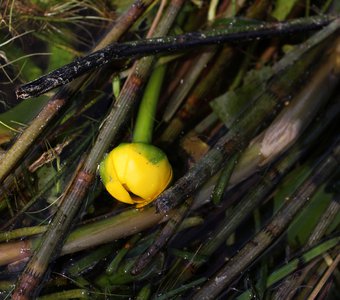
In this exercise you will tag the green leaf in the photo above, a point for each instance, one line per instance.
(45, 174)
(22, 62)
(122, 5)
(283, 8)
(59, 57)
(229, 105)
(303, 225)
(290, 184)
(123, 275)
(20, 115)
(293, 265)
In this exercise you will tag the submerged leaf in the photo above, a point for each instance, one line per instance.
(283, 8)
(229, 105)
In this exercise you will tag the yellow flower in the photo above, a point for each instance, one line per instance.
(136, 173)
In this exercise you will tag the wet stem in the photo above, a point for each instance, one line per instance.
(147, 109)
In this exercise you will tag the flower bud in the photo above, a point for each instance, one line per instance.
(136, 173)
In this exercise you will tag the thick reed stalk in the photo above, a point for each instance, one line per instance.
(290, 285)
(287, 126)
(200, 92)
(253, 249)
(163, 237)
(77, 190)
(267, 105)
(84, 237)
(25, 141)
(254, 197)
(192, 75)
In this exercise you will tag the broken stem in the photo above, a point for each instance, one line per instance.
(169, 44)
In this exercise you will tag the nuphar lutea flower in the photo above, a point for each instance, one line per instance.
(136, 173)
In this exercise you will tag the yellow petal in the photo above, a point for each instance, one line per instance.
(143, 203)
(116, 189)
(111, 182)
(136, 173)
(142, 176)
(119, 158)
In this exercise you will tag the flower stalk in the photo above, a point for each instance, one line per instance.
(146, 114)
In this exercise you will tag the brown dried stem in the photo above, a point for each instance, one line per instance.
(200, 92)
(75, 194)
(287, 289)
(253, 119)
(253, 249)
(25, 141)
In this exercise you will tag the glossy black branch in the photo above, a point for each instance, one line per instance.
(169, 44)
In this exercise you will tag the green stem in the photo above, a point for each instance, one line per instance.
(144, 293)
(147, 110)
(281, 220)
(294, 265)
(71, 294)
(79, 185)
(20, 232)
(113, 266)
(35, 130)
(269, 101)
(223, 181)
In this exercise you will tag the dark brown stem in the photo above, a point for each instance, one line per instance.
(74, 197)
(273, 230)
(163, 237)
(288, 288)
(154, 46)
(252, 120)
(25, 141)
